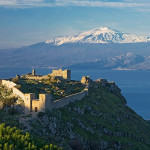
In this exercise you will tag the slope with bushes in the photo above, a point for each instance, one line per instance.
(15, 139)
(101, 120)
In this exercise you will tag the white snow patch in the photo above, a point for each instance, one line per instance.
(100, 35)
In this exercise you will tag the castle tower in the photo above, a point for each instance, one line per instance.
(33, 72)
(86, 80)
(58, 72)
(67, 74)
(28, 102)
(83, 80)
(44, 102)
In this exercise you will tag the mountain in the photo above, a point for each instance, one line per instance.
(128, 61)
(100, 35)
(99, 45)
(143, 65)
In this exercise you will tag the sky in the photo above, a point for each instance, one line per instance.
(26, 22)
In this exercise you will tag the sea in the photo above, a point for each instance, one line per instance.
(135, 85)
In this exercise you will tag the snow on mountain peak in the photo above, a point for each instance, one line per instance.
(104, 29)
(99, 35)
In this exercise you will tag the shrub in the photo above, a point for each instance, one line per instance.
(40, 114)
(15, 139)
(12, 111)
(18, 86)
(16, 80)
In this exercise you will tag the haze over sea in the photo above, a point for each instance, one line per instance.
(135, 85)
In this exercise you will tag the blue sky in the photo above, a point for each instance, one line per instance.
(25, 22)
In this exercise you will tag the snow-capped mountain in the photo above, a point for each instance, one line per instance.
(132, 53)
(100, 35)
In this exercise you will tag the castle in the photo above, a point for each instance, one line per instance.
(36, 105)
(86, 80)
(40, 105)
(31, 104)
(45, 101)
(66, 74)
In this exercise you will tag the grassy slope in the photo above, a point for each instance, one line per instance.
(99, 120)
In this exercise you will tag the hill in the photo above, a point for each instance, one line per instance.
(101, 120)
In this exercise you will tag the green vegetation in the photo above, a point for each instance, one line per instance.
(6, 97)
(8, 100)
(100, 120)
(9, 110)
(57, 88)
(9, 119)
(15, 139)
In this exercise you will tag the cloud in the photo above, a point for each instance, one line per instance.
(137, 1)
(20, 3)
(100, 4)
(82, 3)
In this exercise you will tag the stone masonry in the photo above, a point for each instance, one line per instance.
(66, 74)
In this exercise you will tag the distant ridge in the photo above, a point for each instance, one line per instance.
(100, 35)
(101, 48)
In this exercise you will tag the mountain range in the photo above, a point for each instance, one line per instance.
(99, 35)
(101, 48)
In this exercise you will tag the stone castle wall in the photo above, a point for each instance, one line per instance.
(12, 85)
(17, 92)
(35, 103)
(66, 74)
(8, 83)
(28, 102)
(57, 72)
(44, 101)
(37, 77)
(68, 99)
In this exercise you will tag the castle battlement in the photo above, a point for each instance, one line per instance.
(66, 74)
(36, 105)
(86, 80)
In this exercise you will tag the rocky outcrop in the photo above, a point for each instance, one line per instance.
(110, 86)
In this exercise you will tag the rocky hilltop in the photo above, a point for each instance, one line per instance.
(102, 120)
